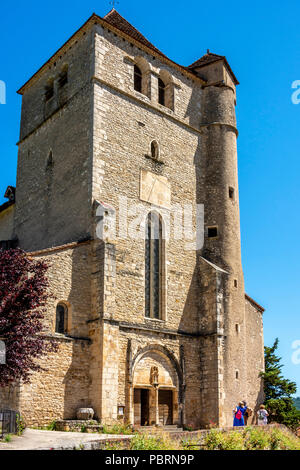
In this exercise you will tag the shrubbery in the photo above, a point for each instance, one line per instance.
(250, 438)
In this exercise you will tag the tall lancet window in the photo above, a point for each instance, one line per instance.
(153, 266)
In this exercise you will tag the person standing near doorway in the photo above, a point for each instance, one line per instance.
(239, 412)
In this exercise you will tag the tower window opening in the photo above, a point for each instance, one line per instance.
(237, 327)
(63, 79)
(236, 374)
(161, 92)
(235, 283)
(212, 232)
(153, 266)
(61, 318)
(231, 192)
(137, 79)
(49, 91)
(154, 150)
(49, 160)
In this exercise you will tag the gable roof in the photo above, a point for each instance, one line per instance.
(210, 58)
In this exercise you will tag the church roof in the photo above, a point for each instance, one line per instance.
(9, 194)
(115, 19)
(255, 304)
(210, 58)
(6, 205)
(118, 24)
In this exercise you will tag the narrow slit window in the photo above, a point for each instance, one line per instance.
(161, 92)
(231, 193)
(137, 79)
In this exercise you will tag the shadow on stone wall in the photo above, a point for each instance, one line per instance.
(77, 377)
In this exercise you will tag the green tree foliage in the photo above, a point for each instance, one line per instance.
(297, 403)
(278, 391)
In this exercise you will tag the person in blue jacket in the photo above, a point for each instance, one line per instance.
(239, 412)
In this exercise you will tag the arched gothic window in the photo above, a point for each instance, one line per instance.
(137, 79)
(61, 318)
(161, 92)
(153, 266)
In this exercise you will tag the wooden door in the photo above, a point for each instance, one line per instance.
(141, 407)
(165, 407)
(145, 407)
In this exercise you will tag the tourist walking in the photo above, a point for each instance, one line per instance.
(262, 416)
(247, 413)
(239, 412)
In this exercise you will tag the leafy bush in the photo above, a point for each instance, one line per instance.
(257, 439)
(20, 424)
(251, 439)
(110, 445)
(51, 426)
(154, 441)
(117, 429)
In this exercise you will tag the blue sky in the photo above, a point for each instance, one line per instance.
(261, 41)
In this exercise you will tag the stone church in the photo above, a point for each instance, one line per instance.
(127, 185)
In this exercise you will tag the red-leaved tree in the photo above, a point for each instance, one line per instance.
(23, 295)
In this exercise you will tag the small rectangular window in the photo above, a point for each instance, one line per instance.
(212, 232)
(231, 192)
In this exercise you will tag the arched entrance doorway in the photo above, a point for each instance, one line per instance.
(155, 389)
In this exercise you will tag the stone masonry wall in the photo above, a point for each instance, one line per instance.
(63, 386)
(255, 356)
(7, 223)
(53, 200)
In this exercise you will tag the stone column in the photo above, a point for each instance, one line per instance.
(131, 404)
(156, 405)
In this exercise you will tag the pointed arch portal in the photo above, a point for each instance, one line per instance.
(156, 379)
